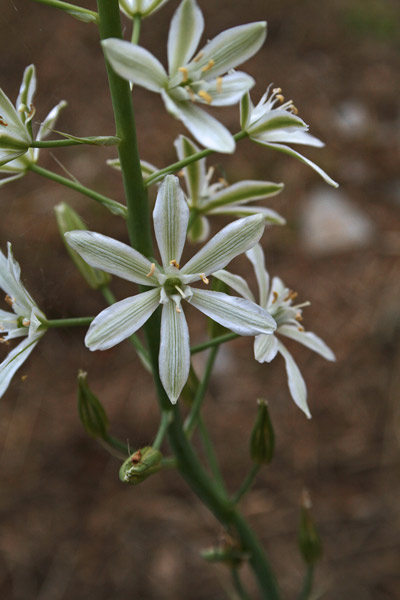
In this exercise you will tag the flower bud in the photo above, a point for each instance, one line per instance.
(140, 465)
(262, 440)
(69, 220)
(144, 8)
(91, 412)
(309, 541)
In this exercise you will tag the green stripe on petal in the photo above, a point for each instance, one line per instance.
(107, 254)
(120, 320)
(184, 34)
(308, 339)
(26, 93)
(135, 64)
(171, 216)
(228, 90)
(275, 119)
(244, 191)
(49, 122)
(265, 348)
(296, 382)
(236, 282)
(174, 357)
(231, 241)
(242, 210)
(237, 314)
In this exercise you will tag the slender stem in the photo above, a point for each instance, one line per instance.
(162, 430)
(247, 483)
(137, 23)
(209, 450)
(75, 322)
(117, 444)
(70, 7)
(221, 339)
(307, 583)
(177, 166)
(55, 143)
(135, 192)
(237, 583)
(115, 207)
(193, 416)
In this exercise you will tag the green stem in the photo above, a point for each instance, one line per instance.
(165, 422)
(209, 450)
(114, 207)
(135, 191)
(137, 23)
(177, 166)
(237, 584)
(307, 583)
(193, 416)
(221, 339)
(55, 143)
(70, 7)
(76, 322)
(247, 483)
(117, 444)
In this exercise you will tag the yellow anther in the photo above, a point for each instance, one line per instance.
(280, 98)
(291, 296)
(198, 57)
(2, 122)
(301, 328)
(223, 181)
(4, 341)
(10, 301)
(191, 93)
(205, 95)
(24, 377)
(178, 310)
(277, 90)
(294, 110)
(181, 173)
(31, 111)
(174, 263)
(185, 73)
(26, 322)
(219, 85)
(152, 269)
(276, 296)
(204, 278)
(208, 66)
(298, 317)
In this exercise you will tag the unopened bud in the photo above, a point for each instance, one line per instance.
(309, 541)
(262, 440)
(91, 411)
(214, 329)
(69, 220)
(140, 465)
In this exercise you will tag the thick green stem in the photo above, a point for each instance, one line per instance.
(217, 341)
(114, 207)
(192, 419)
(247, 483)
(77, 322)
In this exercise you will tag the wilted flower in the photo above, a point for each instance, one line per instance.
(144, 8)
(170, 284)
(206, 79)
(274, 123)
(277, 299)
(26, 321)
(18, 122)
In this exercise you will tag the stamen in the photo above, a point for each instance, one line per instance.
(10, 301)
(301, 328)
(178, 310)
(4, 341)
(277, 90)
(198, 57)
(31, 111)
(26, 322)
(291, 296)
(223, 181)
(2, 122)
(152, 269)
(185, 73)
(280, 98)
(276, 296)
(299, 317)
(136, 458)
(180, 291)
(24, 377)
(209, 66)
(191, 93)
(181, 173)
(174, 263)
(204, 278)
(294, 110)
(219, 85)
(205, 95)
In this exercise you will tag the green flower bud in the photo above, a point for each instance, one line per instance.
(262, 441)
(91, 412)
(309, 541)
(140, 465)
(69, 220)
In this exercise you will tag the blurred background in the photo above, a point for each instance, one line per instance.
(69, 528)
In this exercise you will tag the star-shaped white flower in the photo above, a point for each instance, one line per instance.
(144, 8)
(206, 79)
(19, 119)
(277, 299)
(170, 284)
(25, 321)
(274, 123)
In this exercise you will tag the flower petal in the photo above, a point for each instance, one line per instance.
(296, 382)
(48, 124)
(174, 357)
(26, 93)
(242, 210)
(14, 360)
(228, 90)
(232, 240)
(134, 63)
(15, 129)
(236, 282)
(265, 348)
(239, 315)
(12, 178)
(207, 130)
(309, 339)
(231, 48)
(274, 120)
(291, 152)
(291, 137)
(120, 320)
(171, 216)
(244, 191)
(10, 283)
(107, 254)
(257, 259)
(195, 173)
(184, 34)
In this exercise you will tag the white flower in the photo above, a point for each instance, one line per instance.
(201, 79)
(20, 119)
(25, 321)
(170, 284)
(206, 198)
(140, 7)
(277, 299)
(273, 126)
